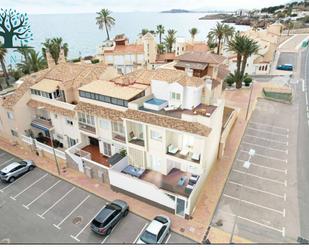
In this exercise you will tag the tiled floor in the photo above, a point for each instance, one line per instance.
(96, 155)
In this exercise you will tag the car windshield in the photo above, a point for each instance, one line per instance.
(149, 238)
(22, 162)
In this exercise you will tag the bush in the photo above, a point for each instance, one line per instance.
(247, 81)
(95, 61)
(16, 74)
(75, 60)
(229, 80)
(88, 58)
(123, 153)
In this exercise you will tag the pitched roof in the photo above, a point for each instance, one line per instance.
(55, 109)
(129, 48)
(202, 57)
(197, 47)
(223, 71)
(192, 65)
(168, 122)
(11, 100)
(100, 111)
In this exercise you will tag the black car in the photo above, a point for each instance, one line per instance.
(109, 217)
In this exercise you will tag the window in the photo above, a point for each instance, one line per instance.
(176, 96)
(161, 232)
(86, 119)
(14, 133)
(10, 115)
(156, 135)
(118, 127)
(104, 124)
(69, 122)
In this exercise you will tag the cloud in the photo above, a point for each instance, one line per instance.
(81, 6)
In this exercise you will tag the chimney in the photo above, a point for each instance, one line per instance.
(50, 61)
(188, 71)
(61, 56)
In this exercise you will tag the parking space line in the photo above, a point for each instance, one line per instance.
(106, 237)
(255, 204)
(41, 178)
(140, 233)
(263, 225)
(269, 132)
(52, 206)
(74, 209)
(267, 147)
(267, 157)
(272, 126)
(9, 160)
(267, 139)
(260, 177)
(168, 238)
(19, 179)
(79, 233)
(285, 171)
(255, 222)
(38, 197)
(258, 190)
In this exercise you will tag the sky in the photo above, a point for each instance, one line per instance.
(88, 6)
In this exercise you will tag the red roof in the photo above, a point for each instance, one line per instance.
(130, 48)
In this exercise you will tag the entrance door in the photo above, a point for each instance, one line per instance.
(94, 141)
(107, 149)
(180, 207)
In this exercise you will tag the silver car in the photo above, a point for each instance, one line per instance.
(14, 170)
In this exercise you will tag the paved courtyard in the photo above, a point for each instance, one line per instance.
(258, 202)
(42, 208)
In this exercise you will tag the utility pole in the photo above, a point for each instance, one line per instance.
(249, 102)
(54, 152)
(246, 165)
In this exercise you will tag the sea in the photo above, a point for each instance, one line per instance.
(84, 37)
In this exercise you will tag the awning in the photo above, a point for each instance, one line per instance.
(39, 127)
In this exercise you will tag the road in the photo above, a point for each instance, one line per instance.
(41, 208)
(303, 145)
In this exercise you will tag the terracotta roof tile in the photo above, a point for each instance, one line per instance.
(171, 123)
(100, 111)
(202, 57)
(223, 71)
(129, 48)
(55, 109)
(197, 47)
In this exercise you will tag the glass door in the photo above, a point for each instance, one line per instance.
(180, 207)
(107, 150)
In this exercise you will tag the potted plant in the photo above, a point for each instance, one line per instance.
(247, 81)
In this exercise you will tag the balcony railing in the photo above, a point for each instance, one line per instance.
(87, 128)
(119, 137)
(43, 122)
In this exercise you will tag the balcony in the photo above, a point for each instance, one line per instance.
(135, 133)
(118, 137)
(185, 154)
(87, 128)
(95, 154)
(42, 123)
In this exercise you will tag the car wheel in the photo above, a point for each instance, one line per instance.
(31, 167)
(108, 232)
(126, 213)
(12, 179)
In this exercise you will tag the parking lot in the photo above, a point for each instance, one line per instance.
(41, 208)
(257, 202)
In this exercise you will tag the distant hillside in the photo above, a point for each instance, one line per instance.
(176, 11)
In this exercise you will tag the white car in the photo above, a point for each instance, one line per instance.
(14, 170)
(156, 231)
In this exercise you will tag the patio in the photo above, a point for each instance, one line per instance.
(175, 182)
(96, 155)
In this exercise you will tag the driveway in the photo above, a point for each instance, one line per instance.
(41, 208)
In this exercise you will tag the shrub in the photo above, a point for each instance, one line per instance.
(123, 153)
(230, 80)
(88, 58)
(75, 60)
(247, 81)
(95, 61)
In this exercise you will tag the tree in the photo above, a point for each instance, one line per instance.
(3, 52)
(24, 51)
(54, 46)
(243, 47)
(160, 48)
(145, 31)
(33, 63)
(193, 33)
(221, 33)
(14, 25)
(105, 20)
(170, 39)
(289, 26)
(160, 31)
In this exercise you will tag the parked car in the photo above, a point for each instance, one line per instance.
(286, 67)
(109, 217)
(14, 170)
(156, 231)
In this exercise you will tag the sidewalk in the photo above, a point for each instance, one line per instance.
(194, 228)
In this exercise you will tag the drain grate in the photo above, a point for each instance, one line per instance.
(77, 220)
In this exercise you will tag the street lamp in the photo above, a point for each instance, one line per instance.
(54, 152)
(246, 165)
(248, 107)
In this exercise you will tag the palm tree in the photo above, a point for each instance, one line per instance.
(34, 63)
(24, 51)
(193, 33)
(145, 31)
(170, 39)
(220, 33)
(289, 25)
(243, 47)
(104, 19)
(54, 46)
(3, 52)
(160, 48)
(160, 31)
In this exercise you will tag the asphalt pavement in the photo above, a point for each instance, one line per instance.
(41, 208)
